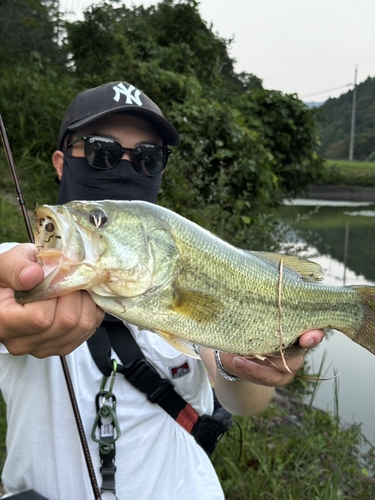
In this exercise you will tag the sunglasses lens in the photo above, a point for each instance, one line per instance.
(102, 153)
(149, 159)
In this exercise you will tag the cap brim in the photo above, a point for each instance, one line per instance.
(167, 132)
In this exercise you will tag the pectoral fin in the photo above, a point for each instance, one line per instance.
(198, 306)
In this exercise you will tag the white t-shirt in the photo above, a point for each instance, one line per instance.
(156, 458)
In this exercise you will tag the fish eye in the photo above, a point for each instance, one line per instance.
(49, 227)
(98, 217)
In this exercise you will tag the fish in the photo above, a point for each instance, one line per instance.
(155, 269)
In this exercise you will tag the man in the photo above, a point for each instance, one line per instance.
(112, 145)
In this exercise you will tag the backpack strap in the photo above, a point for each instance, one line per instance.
(139, 372)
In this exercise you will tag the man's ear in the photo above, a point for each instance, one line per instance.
(58, 163)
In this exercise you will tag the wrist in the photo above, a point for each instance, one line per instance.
(221, 369)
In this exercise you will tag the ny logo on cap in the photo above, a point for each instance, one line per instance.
(128, 92)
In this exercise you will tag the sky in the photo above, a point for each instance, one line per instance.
(308, 47)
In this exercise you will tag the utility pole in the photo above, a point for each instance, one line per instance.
(352, 128)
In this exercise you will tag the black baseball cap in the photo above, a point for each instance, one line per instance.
(115, 97)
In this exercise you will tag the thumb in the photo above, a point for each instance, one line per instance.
(18, 268)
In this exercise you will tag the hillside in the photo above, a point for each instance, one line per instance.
(335, 123)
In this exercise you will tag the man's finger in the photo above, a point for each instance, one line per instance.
(311, 339)
(18, 269)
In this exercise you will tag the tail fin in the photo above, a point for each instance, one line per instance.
(365, 336)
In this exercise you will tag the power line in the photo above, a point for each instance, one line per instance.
(326, 91)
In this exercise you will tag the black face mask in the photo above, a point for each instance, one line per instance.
(80, 181)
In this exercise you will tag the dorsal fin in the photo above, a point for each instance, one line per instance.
(307, 269)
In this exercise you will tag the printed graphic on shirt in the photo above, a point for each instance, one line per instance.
(180, 371)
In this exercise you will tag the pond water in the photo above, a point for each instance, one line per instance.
(340, 236)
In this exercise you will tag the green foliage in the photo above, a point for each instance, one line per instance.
(14, 230)
(171, 36)
(288, 128)
(28, 26)
(33, 98)
(335, 123)
(219, 176)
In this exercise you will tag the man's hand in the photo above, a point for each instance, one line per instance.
(45, 328)
(254, 391)
(270, 373)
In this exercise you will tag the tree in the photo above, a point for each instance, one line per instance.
(290, 135)
(26, 27)
(220, 176)
(335, 123)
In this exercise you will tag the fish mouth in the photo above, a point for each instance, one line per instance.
(57, 248)
(63, 252)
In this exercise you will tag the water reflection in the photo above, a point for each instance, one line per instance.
(338, 229)
(339, 236)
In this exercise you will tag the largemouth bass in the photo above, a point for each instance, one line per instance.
(151, 267)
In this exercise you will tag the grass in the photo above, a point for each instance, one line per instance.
(14, 229)
(294, 451)
(350, 173)
(295, 455)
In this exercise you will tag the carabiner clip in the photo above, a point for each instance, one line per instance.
(113, 376)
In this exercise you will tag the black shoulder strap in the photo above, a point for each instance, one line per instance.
(100, 349)
(138, 371)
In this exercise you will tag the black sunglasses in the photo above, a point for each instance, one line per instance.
(105, 153)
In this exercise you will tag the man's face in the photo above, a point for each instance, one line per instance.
(128, 130)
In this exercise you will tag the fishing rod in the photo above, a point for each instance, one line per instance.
(64, 363)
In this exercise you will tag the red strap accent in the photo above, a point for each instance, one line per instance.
(187, 418)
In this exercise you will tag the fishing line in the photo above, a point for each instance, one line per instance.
(64, 363)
